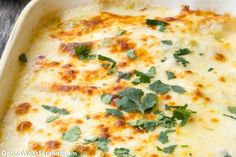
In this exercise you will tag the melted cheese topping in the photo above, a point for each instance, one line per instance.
(54, 76)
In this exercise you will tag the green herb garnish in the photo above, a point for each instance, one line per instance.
(182, 52)
(54, 109)
(101, 143)
(170, 75)
(167, 42)
(181, 60)
(159, 87)
(72, 135)
(22, 58)
(161, 24)
(210, 69)
(232, 109)
(131, 100)
(226, 115)
(131, 54)
(51, 119)
(82, 52)
(115, 112)
(144, 77)
(182, 113)
(122, 75)
(120, 32)
(163, 136)
(113, 66)
(122, 152)
(106, 98)
(169, 149)
(75, 154)
(178, 89)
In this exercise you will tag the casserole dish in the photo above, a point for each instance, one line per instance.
(38, 11)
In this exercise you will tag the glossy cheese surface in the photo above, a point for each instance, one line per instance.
(55, 76)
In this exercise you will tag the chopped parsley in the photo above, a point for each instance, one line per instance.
(82, 52)
(178, 89)
(159, 87)
(131, 100)
(232, 110)
(227, 155)
(122, 75)
(182, 113)
(115, 112)
(51, 119)
(165, 121)
(120, 32)
(182, 52)
(101, 143)
(226, 115)
(131, 54)
(163, 136)
(54, 109)
(144, 124)
(122, 152)
(162, 24)
(163, 59)
(22, 58)
(144, 77)
(72, 135)
(181, 60)
(167, 42)
(210, 69)
(170, 75)
(113, 66)
(106, 98)
(168, 150)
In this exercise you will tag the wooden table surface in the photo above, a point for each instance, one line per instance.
(9, 11)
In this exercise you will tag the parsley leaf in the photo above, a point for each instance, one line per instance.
(229, 116)
(178, 89)
(106, 98)
(143, 124)
(82, 52)
(163, 136)
(153, 22)
(144, 77)
(125, 76)
(163, 59)
(182, 52)
(51, 119)
(101, 143)
(131, 100)
(181, 60)
(210, 69)
(113, 66)
(120, 32)
(167, 42)
(122, 152)
(115, 112)
(54, 109)
(131, 54)
(182, 113)
(232, 110)
(170, 75)
(72, 135)
(165, 121)
(227, 155)
(22, 58)
(169, 149)
(159, 87)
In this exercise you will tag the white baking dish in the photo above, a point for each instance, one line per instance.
(29, 18)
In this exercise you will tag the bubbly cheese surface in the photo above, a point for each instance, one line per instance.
(64, 90)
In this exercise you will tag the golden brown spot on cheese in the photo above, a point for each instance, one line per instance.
(22, 109)
(222, 79)
(24, 126)
(219, 57)
(68, 75)
(214, 120)
(90, 149)
(52, 145)
(104, 131)
(122, 44)
(74, 88)
(35, 146)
